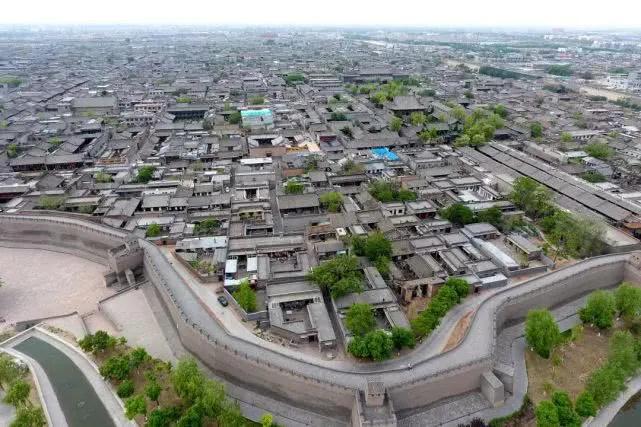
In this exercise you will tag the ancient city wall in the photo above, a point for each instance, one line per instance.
(319, 387)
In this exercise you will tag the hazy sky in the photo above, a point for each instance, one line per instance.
(476, 13)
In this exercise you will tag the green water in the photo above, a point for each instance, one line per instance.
(79, 402)
(630, 414)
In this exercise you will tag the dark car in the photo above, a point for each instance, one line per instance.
(223, 301)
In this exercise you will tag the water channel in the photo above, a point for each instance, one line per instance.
(79, 402)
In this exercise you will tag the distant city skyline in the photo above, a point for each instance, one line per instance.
(589, 14)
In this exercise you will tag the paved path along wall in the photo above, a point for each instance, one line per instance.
(323, 387)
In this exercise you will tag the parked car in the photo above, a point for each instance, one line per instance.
(223, 301)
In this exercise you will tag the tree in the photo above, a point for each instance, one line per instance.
(153, 230)
(418, 118)
(138, 356)
(628, 300)
(163, 417)
(386, 191)
(153, 390)
(458, 214)
(294, 187)
(234, 118)
(428, 135)
(500, 110)
(584, 404)
(461, 286)
(565, 410)
(599, 150)
(184, 100)
(188, 381)
(360, 319)
(382, 265)
(257, 100)
(192, 417)
(18, 393)
(267, 420)
(376, 345)
(593, 176)
(50, 202)
(29, 416)
(402, 337)
(376, 246)
(12, 151)
(395, 124)
(125, 389)
(135, 405)
(623, 352)
(541, 332)
(566, 137)
(599, 310)
(532, 197)
(378, 98)
(9, 370)
(206, 226)
(605, 384)
(491, 215)
(231, 416)
(145, 174)
(340, 275)
(212, 399)
(98, 342)
(245, 296)
(102, 177)
(332, 201)
(547, 415)
(116, 368)
(536, 130)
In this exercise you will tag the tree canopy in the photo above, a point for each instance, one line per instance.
(458, 214)
(386, 191)
(541, 332)
(340, 276)
(359, 319)
(331, 201)
(245, 296)
(599, 310)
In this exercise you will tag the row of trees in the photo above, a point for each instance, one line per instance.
(386, 191)
(450, 294)
(368, 342)
(459, 214)
(191, 398)
(571, 235)
(13, 381)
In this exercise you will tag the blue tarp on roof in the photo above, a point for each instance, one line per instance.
(385, 153)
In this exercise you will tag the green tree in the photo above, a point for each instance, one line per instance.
(267, 420)
(29, 416)
(18, 393)
(12, 151)
(623, 352)
(628, 300)
(212, 399)
(257, 100)
(340, 275)
(536, 130)
(382, 264)
(566, 137)
(376, 246)
(332, 201)
(153, 390)
(458, 214)
(418, 118)
(163, 417)
(183, 100)
(585, 406)
(50, 202)
(395, 124)
(402, 337)
(599, 150)
(599, 310)
(491, 215)
(234, 118)
(547, 415)
(231, 416)
(145, 174)
(192, 417)
(98, 342)
(565, 410)
(9, 370)
(207, 226)
(376, 345)
(188, 381)
(500, 110)
(605, 384)
(103, 177)
(360, 319)
(125, 389)
(461, 286)
(532, 197)
(428, 135)
(245, 296)
(138, 356)
(135, 405)
(116, 368)
(541, 332)
(294, 187)
(153, 230)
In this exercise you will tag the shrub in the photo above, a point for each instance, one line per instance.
(628, 300)
(565, 410)
(541, 332)
(402, 337)
(599, 310)
(547, 415)
(125, 389)
(585, 406)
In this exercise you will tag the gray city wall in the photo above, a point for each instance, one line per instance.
(321, 386)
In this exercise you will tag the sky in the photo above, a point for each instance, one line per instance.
(601, 14)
